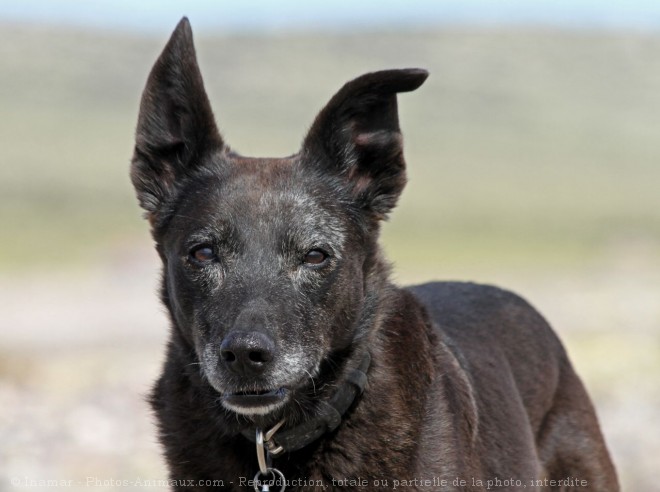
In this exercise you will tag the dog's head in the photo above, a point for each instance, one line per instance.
(268, 263)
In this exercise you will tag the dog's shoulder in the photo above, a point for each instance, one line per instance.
(449, 295)
(478, 309)
(498, 337)
(483, 320)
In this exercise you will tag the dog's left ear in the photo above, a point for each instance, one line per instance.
(357, 137)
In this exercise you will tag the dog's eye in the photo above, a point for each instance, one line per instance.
(315, 257)
(202, 253)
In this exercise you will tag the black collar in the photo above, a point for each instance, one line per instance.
(327, 419)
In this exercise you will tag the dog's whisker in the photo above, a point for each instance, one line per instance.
(311, 379)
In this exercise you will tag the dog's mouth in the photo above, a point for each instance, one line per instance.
(260, 402)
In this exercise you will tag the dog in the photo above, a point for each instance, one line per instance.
(293, 361)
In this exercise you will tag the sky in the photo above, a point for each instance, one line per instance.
(267, 15)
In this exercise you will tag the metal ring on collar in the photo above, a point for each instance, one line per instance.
(261, 453)
(275, 473)
(272, 446)
(264, 441)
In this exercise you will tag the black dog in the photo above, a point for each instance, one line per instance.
(286, 330)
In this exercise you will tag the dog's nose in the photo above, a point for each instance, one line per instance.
(247, 353)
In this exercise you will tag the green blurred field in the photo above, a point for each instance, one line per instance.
(534, 162)
(524, 148)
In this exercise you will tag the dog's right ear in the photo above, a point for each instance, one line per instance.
(176, 129)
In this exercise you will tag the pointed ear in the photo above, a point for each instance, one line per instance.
(357, 137)
(176, 129)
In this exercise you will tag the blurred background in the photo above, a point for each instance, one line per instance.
(534, 161)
